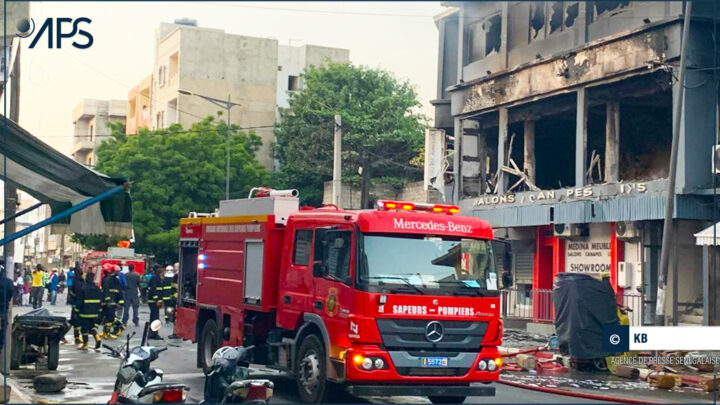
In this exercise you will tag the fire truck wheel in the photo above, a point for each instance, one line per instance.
(209, 343)
(447, 400)
(310, 371)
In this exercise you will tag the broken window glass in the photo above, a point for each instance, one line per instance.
(556, 16)
(607, 6)
(537, 20)
(572, 11)
(493, 28)
(476, 42)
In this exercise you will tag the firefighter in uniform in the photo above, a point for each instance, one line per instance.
(73, 293)
(89, 307)
(169, 296)
(154, 297)
(112, 295)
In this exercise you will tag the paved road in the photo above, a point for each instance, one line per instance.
(91, 375)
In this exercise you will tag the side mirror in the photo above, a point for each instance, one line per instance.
(507, 260)
(155, 325)
(507, 279)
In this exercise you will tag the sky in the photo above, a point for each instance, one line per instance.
(400, 37)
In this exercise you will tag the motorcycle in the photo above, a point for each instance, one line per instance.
(136, 381)
(227, 383)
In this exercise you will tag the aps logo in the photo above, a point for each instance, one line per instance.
(56, 29)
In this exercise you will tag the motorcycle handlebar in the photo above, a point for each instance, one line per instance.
(161, 349)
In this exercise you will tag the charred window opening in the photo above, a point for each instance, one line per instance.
(484, 37)
(537, 20)
(556, 16)
(645, 137)
(602, 7)
(555, 151)
(489, 159)
(571, 14)
(595, 155)
(493, 28)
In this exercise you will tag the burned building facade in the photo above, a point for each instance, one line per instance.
(559, 116)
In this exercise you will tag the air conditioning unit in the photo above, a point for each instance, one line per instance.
(638, 276)
(626, 230)
(715, 159)
(570, 230)
(625, 274)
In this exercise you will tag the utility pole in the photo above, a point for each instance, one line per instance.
(337, 161)
(227, 151)
(672, 175)
(227, 105)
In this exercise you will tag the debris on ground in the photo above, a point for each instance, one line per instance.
(49, 383)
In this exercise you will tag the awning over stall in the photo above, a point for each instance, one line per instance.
(53, 178)
(709, 236)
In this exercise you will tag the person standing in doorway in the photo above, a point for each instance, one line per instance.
(132, 296)
(38, 285)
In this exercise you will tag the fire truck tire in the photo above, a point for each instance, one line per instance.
(311, 370)
(447, 400)
(208, 344)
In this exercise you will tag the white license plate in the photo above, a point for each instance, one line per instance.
(434, 362)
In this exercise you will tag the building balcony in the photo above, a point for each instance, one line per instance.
(83, 145)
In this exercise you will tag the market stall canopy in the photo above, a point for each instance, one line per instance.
(709, 236)
(53, 178)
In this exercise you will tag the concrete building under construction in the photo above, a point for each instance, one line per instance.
(554, 121)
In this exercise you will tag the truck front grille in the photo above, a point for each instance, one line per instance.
(408, 334)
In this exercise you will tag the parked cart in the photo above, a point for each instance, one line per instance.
(36, 336)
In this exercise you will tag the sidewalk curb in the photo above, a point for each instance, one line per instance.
(569, 393)
(18, 392)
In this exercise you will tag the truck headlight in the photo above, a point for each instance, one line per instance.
(491, 365)
(482, 365)
(379, 363)
(367, 363)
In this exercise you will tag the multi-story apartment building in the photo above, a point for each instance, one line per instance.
(257, 73)
(559, 117)
(90, 118)
(139, 113)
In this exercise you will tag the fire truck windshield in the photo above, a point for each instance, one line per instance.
(429, 265)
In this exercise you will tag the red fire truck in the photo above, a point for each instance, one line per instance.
(402, 300)
(96, 261)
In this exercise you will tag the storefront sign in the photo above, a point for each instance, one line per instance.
(589, 255)
(556, 195)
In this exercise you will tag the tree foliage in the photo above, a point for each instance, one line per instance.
(174, 171)
(381, 130)
(94, 242)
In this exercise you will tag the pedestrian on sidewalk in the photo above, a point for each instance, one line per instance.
(132, 296)
(62, 280)
(154, 298)
(19, 288)
(27, 288)
(70, 277)
(53, 286)
(38, 285)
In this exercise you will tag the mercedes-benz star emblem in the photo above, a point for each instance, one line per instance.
(434, 331)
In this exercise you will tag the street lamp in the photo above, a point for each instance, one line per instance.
(227, 105)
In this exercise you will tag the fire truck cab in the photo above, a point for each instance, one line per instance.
(401, 300)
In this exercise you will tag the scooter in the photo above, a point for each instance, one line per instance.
(136, 381)
(227, 383)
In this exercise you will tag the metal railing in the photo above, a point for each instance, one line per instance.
(537, 305)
